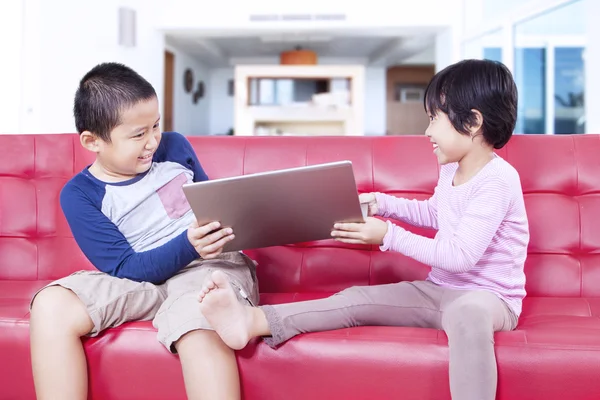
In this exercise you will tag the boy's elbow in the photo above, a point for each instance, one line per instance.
(155, 280)
(135, 275)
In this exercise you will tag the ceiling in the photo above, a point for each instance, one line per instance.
(322, 45)
(372, 47)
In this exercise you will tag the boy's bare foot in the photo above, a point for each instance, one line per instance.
(231, 320)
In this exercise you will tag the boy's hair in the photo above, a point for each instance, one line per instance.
(104, 93)
(483, 85)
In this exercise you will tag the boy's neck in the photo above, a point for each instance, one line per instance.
(472, 163)
(104, 174)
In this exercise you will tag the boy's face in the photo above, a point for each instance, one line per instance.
(449, 145)
(132, 144)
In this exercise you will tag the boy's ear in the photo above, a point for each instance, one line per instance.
(90, 141)
(477, 123)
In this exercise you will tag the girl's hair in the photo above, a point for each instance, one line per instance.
(483, 85)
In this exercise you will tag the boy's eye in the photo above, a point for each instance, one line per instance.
(139, 135)
(155, 126)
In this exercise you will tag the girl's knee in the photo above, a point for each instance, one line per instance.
(351, 291)
(350, 296)
(469, 320)
(358, 295)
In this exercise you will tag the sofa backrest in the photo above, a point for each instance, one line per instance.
(560, 177)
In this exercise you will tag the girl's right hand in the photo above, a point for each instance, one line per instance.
(371, 201)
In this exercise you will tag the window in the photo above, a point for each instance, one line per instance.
(409, 93)
(544, 45)
(569, 114)
(530, 70)
(282, 91)
(487, 47)
(549, 71)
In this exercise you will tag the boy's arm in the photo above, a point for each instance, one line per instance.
(421, 213)
(476, 229)
(176, 147)
(108, 250)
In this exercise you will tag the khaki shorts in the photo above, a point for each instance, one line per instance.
(173, 305)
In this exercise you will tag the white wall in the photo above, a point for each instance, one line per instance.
(234, 14)
(63, 39)
(375, 101)
(60, 47)
(447, 47)
(221, 104)
(190, 118)
(443, 50)
(426, 57)
(11, 24)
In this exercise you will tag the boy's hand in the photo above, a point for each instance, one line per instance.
(372, 231)
(209, 245)
(371, 201)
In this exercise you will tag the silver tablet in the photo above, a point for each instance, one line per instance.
(279, 207)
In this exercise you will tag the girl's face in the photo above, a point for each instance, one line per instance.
(449, 145)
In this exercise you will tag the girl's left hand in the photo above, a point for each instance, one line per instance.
(371, 231)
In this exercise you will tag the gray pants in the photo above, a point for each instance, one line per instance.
(469, 318)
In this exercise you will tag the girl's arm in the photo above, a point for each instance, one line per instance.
(462, 250)
(421, 213)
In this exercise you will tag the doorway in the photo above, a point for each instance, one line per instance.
(405, 87)
(167, 116)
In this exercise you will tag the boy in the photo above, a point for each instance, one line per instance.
(128, 214)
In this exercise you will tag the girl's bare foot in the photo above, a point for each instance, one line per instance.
(220, 306)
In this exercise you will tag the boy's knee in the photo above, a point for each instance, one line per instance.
(57, 308)
(199, 340)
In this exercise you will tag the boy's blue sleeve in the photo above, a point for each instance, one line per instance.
(176, 147)
(108, 250)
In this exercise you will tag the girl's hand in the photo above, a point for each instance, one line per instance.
(371, 201)
(372, 231)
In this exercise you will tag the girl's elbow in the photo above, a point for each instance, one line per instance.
(463, 265)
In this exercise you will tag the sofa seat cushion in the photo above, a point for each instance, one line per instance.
(562, 323)
(539, 313)
(333, 364)
(15, 297)
(16, 379)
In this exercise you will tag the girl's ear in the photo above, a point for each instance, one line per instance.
(477, 124)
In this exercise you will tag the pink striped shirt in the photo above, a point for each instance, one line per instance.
(482, 231)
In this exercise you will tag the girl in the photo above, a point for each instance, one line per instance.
(476, 284)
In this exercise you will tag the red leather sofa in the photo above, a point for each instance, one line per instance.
(554, 354)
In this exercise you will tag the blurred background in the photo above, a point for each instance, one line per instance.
(298, 68)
